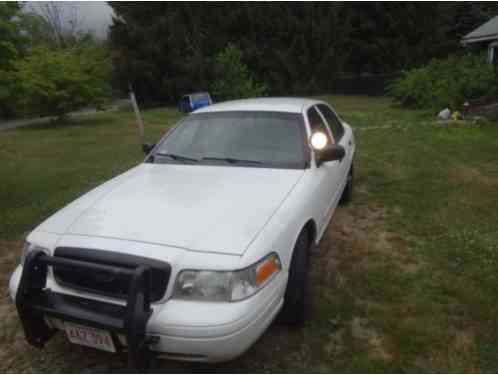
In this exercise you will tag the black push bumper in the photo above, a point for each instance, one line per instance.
(35, 302)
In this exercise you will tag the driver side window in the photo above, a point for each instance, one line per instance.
(317, 124)
(333, 122)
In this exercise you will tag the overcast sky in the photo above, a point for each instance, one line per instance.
(94, 15)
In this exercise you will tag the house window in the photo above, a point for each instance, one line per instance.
(492, 53)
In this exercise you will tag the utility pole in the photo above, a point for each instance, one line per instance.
(140, 122)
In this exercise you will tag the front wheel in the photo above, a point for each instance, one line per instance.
(296, 304)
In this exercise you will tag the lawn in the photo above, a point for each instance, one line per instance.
(406, 278)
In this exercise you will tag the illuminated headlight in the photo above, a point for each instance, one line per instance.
(226, 286)
(28, 246)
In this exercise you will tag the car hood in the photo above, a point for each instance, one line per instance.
(202, 208)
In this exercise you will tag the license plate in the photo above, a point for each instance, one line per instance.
(92, 337)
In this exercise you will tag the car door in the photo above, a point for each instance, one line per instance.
(341, 137)
(327, 175)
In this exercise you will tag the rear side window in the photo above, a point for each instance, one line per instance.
(334, 123)
(316, 123)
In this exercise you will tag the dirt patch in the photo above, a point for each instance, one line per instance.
(358, 234)
(465, 175)
(335, 345)
(361, 330)
(464, 341)
(357, 243)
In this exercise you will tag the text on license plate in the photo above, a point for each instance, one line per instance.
(92, 337)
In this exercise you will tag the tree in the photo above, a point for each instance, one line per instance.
(62, 23)
(234, 80)
(316, 50)
(167, 49)
(469, 15)
(388, 37)
(11, 49)
(57, 81)
(11, 39)
(36, 30)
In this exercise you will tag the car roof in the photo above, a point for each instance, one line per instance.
(292, 105)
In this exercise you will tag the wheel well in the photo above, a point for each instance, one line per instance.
(310, 227)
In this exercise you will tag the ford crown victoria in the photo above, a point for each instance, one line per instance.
(192, 254)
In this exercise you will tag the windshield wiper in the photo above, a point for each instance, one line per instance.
(232, 160)
(177, 157)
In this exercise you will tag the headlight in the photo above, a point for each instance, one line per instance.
(28, 246)
(226, 286)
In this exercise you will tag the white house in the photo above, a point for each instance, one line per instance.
(485, 36)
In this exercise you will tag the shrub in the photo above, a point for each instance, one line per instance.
(58, 81)
(445, 83)
(234, 80)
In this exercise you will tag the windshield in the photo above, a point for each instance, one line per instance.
(248, 138)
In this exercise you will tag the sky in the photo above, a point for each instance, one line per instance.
(94, 15)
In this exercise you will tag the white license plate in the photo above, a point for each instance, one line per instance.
(92, 337)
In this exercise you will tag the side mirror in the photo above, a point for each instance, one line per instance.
(147, 148)
(330, 153)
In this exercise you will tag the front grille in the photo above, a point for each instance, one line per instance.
(107, 284)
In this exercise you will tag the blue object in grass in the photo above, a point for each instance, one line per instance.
(191, 102)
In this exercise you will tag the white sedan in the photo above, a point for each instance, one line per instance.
(192, 254)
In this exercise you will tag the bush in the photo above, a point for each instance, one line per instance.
(58, 81)
(445, 83)
(234, 80)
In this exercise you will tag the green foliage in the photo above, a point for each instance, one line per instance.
(11, 39)
(445, 83)
(39, 77)
(167, 49)
(57, 81)
(11, 48)
(390, 36)
(234, 80)
(36, 29)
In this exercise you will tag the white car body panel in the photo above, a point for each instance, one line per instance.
(200, 208)
(213, 217)
(290, 105)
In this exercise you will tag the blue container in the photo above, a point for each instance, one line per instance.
(191, 102)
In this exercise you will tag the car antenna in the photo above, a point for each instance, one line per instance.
(140, 123)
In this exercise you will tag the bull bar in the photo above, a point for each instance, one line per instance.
(35, 302)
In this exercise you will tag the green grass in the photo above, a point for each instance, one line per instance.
(46, 166)
(407, 275)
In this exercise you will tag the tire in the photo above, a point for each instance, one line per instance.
(296, 302)
(347, 194)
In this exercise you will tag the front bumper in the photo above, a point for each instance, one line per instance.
(218, 347)
(35, 303)
(183, 330)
